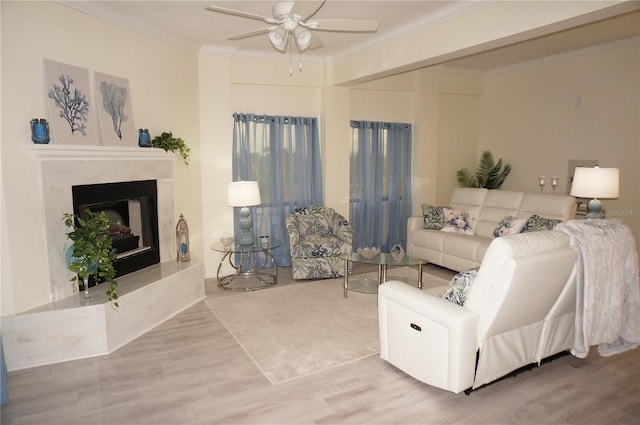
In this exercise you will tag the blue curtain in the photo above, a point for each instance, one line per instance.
(380, 189)
(283, 155)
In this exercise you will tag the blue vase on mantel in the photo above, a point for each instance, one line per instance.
(40, 131)
(144, 139)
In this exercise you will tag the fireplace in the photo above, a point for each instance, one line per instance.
(132, 210)
(71, 327)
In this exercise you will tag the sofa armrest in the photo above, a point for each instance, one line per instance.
(342, 228)
(431, 339)
(292, 231)
(413, 223)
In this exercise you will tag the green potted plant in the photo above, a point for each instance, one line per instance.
(169, 143)
(92, 253)
(489, 174)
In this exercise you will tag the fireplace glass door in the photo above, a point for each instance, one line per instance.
(131, 208)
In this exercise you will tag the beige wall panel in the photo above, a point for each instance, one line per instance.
(578, 107)
(163, 80)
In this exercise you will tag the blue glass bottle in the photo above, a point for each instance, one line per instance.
(40, 131)
(144, 139)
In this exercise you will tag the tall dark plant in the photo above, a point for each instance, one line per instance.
(489, 174)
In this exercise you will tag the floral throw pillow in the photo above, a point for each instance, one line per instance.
(459, 286)
(536, 223)
(458, 221)
(433, 217)
(509, 226)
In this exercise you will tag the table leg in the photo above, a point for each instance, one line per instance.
(382, 274)
(346, 278)
(256, 278)
(267, 255)
(419, 276)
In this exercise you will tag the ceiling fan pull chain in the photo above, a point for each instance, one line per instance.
(290, 59)
(300, 63)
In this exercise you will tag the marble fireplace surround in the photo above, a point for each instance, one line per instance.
(70, 327)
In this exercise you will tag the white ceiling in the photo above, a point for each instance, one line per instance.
(188, 24)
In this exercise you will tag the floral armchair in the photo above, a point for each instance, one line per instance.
(317, 237)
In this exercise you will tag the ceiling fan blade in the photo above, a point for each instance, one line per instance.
(241, 14)
(249, 34)
(295, 10)
(343, 25)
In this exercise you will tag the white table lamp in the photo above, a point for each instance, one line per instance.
(244, 194)
(595, 183)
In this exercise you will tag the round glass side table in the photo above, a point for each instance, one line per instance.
(243, 259)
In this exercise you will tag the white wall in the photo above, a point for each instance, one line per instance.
(245, 85)
(584, 106)
(164, 91)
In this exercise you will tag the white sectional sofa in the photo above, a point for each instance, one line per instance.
(518, 311)
(457, 251)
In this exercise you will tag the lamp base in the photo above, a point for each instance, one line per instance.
(246, 238)
(594, 206)
(245, 235)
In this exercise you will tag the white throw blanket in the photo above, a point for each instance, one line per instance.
(608, 291)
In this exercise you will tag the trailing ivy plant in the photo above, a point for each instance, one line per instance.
(92, 253)
(169, 143)
(489, 174)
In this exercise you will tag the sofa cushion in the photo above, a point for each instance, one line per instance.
(466, 198)
(459, 286)
(498, 204)
(463, 250)
(314, 221)
(502, 250)
(536, 223)
(557, 207)
(433, 216)
(509, 225)
(320, 246)
(459, 221)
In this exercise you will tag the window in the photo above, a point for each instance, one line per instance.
(283, 155)
(380, 183)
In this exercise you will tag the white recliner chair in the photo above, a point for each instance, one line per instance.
(519, 310)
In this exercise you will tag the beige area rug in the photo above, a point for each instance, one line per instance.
(302, 328)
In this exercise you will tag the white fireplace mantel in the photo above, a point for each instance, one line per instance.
(68, 327)
(94, 152)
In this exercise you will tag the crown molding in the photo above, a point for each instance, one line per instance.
(108, 14)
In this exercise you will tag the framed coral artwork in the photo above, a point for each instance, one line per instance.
(114, 110)
(71, 111)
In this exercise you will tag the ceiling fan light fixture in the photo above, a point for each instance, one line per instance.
(279, 38)
(303, 37)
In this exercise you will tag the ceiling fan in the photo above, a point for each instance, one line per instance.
(287, 23)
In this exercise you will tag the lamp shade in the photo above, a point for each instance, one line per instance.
(595, 182)
(243, 194)
(303, 38)
(279, 38)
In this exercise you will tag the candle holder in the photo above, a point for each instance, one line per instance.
(554, 183)
(542, 180)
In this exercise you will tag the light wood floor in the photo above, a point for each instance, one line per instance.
(190, 370)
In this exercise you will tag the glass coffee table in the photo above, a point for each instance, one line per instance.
(242, 258)
(383, 261)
